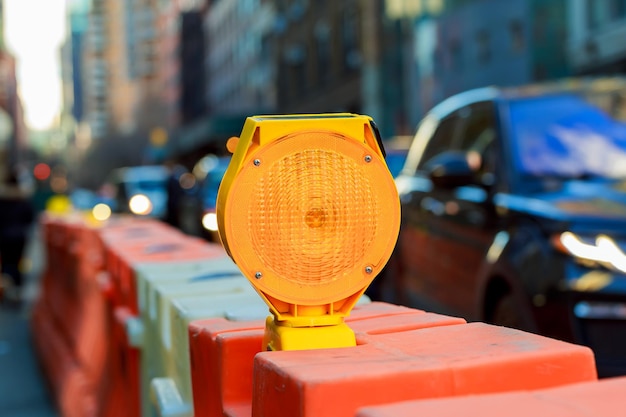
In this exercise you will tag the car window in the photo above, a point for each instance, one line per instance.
(477, 138)
(442, 140)
(477, 130)
(565, 136)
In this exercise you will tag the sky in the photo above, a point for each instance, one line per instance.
(34, 31)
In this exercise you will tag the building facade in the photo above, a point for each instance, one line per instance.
(95, 83)
(191, 56)
(12, 127)
(137, 67)
(341, 57)
(168, 65)
(597, 30)
(239, 57)
(471, 44)
(71, 62)
(319, 56)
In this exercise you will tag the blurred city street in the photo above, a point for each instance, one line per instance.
(463, 161)
(23, 390)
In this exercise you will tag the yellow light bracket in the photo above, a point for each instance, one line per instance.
(309, 212)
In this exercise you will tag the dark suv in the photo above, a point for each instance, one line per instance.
(514, 212)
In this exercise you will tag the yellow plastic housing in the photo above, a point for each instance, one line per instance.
(283, 337)
(309, 212)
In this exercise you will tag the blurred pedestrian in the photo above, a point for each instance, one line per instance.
(16, 218)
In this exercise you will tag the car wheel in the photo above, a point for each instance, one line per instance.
(508, 313)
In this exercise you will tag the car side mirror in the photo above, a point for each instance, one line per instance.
(450, 169)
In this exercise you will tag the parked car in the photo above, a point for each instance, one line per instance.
(198, 209)
(396, 151)
(84, 199)
(140, 190)
(514, 212)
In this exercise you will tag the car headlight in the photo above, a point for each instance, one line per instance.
(603, 250)
(140, 204)
(209, 222)
(101, 212)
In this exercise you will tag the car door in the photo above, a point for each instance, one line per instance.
(413, 268)
(447, 230)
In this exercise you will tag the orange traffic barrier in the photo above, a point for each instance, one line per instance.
(68, 321)
(120, 390)
(381, 318)
(124, 239)
(127, 248)
(89, 301)
(70, 385)
(80, 309)
(223, 351)
(222, 354)
(603, 398)
(426, 363)
(166, 245)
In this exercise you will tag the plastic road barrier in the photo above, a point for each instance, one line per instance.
(603, 398)
(135, 318)
(425, 363)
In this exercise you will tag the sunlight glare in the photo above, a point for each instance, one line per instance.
(37, 54)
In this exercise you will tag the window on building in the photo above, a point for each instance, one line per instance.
(283, 82)
(594, 13)
(539, 72)
(617, 9)
(603, 12)
(456, 55)
(323, 52)
(298, 78)
(297, 10)
(350, 39)
(516, 32)
(483, 44)
(267, 51)
(295, 58)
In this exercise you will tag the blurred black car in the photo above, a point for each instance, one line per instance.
(140, 190)
(514, 212)
(198, 208)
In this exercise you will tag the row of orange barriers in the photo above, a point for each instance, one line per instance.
(137, 319)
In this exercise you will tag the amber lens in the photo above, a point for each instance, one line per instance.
(311, 210)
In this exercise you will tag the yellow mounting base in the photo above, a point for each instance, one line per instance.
(282, 336)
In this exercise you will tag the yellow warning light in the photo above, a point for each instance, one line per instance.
(309, 212)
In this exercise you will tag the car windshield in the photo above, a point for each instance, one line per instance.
(565, 136)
